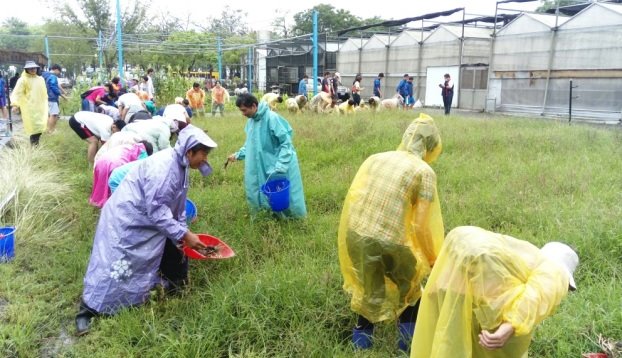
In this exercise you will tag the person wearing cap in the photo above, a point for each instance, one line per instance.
(487, 293)
(140, 230)
(390, 233)
(31, 97)
(268, 153)
(54, 92)
(377, 85)
(177, 111)
(112, 159)
(156, 131)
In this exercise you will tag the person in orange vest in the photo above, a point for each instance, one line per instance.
(196, 96)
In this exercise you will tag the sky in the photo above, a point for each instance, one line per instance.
(260, 16)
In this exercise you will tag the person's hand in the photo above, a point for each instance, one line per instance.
(192, 241)
(231, 158)
(498, 338)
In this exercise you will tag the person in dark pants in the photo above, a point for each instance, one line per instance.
(390, 232)
(140, 229)
(447, 92)
(31, 97)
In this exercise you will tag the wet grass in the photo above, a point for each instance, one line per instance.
(281, 295)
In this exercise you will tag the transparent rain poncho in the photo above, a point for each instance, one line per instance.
(31, 96)
(391, 227)
(481, 280)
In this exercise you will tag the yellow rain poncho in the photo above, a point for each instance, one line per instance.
(31, 96)
(391, 227)
(481, 280)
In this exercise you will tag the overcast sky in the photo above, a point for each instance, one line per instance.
(260, 15)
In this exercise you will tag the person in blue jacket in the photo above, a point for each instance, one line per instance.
(54, 92)
(268, 153)
(401, 87)
(409, 99)
(302, 86)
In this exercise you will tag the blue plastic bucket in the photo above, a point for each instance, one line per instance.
(7, 243)
(277, 191)
(191, 211)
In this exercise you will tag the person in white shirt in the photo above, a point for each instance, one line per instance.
(94, 127)
(109, 111)
(129, 103)
(150, 87)
(176, 112)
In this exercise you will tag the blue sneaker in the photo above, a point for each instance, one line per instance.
(362, 338)
(406, 331)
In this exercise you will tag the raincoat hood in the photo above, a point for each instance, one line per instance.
(262, 108)
(422, 138)
(188, 138)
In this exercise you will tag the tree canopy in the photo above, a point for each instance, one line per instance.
(330, 20)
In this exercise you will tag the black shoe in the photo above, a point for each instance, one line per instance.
(83, 325)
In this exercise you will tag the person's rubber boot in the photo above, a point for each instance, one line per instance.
(83, 319)
(406, 331)
(362, 338)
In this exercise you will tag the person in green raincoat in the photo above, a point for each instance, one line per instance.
(31, 97)
(269, 154)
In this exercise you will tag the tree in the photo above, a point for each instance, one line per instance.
(9, 34)
(72, 54)
(96, 15)
(330, 20)
(279, 25)
(552, 4)
(230, 22)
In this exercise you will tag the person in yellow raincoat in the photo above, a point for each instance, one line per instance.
(30, 96)
(487, 293)
(390, 232)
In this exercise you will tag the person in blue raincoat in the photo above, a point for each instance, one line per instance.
(268, 153)
(140, 228)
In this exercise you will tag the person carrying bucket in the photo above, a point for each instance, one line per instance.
(487, 293)
(269, 155)
(140, 227)
(390, 233)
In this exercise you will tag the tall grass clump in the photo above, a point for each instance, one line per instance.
(39, 192)
(27, 285)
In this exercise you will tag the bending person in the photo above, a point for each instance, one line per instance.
(111, 160)
(268, 153)
(488, 292)
(140, 227)
(390, 232)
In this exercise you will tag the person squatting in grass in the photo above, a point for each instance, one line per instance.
(94, 128)
(31, 97)
(140, 229)
(487, 293)
(268, 153)
(390, 233)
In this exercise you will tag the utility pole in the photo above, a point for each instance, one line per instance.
(120, 43)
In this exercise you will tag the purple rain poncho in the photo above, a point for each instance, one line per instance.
(147, 208)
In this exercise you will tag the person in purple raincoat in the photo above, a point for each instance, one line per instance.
(140, 229)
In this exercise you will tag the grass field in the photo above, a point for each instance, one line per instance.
(537, 180)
